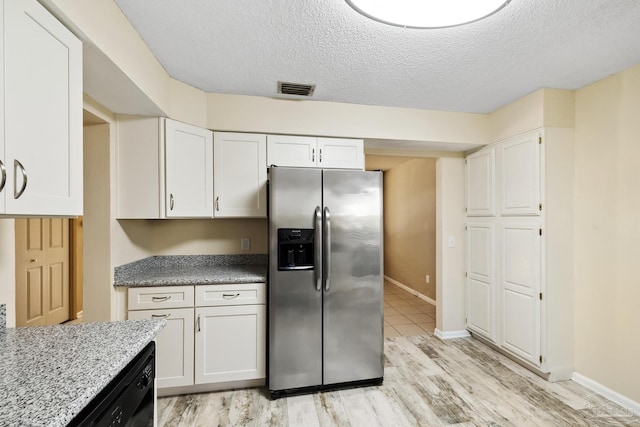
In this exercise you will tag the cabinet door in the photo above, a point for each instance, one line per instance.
(480, 183)
(230, 343)
(520, 287)
(481, 278)
(174, 345)
(42, 111)
(189, 170)
(296, 151)
(240, 175)
(519, 175)
(340, 153)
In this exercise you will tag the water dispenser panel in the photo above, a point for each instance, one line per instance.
(295, 248)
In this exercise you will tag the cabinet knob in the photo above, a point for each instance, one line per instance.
(17, 193)
(217, 203)
(171, 201)
(4, 175)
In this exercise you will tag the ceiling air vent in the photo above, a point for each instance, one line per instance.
(299, 89)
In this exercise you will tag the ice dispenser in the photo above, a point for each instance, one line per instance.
(295, 248)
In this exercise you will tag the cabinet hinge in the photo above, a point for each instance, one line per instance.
(539, 140)
(466, 322)
(541, 295)
(540, 358)
(466, 274)
(541, 231)
(466, 209)
(540, 206)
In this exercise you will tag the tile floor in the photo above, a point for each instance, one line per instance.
(406, 314)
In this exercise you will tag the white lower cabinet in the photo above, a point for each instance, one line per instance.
(230, 343)
(215, 335)
(174, 345)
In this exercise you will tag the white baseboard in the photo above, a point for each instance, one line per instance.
(630, 406)
(410, 290)
(451, 334)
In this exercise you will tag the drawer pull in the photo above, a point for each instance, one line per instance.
(160, 299)
(161, 316)
(230, 296)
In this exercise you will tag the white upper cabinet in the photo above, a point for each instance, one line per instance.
(481, 183)
(286, 150)
(240, 175)
(41, 113)
(306, 151)
(165, 169)
(519, 175)
(189, 170)
(340, 153)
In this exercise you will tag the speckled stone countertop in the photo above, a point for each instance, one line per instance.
(176, 270)
(3, 316)
(49, 373)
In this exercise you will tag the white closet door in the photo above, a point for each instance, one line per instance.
(520, 288)
(481, 278)
(519, 175)
(480, 183)
(189, 170)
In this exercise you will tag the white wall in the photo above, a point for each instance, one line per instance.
(607, 232)
(450, 217)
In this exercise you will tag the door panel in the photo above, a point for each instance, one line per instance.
(189, 170)
(293, 151)
(519, 162)
(42, 271)
(340, 153)
(520, 247)
(352, 316)
(481, 278)
(295, 306)
(480, 183)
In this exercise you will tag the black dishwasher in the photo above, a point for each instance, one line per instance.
(128, 399)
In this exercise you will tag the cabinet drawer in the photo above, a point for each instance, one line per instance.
(230, 294)
(160, 297)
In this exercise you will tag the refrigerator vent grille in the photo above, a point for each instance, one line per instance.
(299, 89)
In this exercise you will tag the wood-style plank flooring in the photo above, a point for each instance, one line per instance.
(427, 382)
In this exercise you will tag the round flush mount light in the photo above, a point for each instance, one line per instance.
(427, 13)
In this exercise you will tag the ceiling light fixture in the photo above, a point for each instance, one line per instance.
(427, 13)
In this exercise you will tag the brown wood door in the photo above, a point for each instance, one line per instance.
(42, 271)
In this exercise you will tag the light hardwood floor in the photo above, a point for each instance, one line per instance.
(427, 382)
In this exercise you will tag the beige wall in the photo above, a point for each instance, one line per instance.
(410, 225)
(607, 232)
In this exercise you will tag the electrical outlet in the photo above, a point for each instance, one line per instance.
(427, 278)
(245, 243)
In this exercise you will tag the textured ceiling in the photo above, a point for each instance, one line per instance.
(246, 46)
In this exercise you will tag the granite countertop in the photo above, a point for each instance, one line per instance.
(49, 373)
(176, 270)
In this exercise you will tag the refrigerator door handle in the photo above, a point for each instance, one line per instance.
(317, 238)
(327, 249)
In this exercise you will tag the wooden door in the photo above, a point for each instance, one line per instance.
(189, 170)
(240, 175)
(42, 271)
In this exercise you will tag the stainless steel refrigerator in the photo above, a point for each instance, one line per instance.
(325, 279)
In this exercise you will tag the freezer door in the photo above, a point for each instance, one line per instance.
(295, 296)
(353, 282)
